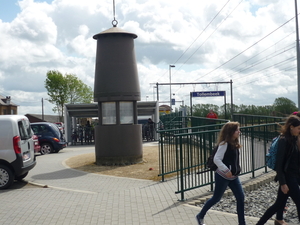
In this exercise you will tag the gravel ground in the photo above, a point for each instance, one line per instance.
(257, 202)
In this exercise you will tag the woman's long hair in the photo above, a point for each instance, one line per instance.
(226, 134)
(286, 128)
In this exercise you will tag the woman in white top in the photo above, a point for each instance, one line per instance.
(226, 175)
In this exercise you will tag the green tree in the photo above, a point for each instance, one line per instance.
(57, 90)
(201, 110)
(264, 110)
(78, 92)
(281, 107)
(235, 109)
(284, 106)
(66, 89)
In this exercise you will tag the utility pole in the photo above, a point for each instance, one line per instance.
(298, 52)
(170, 66)
(42, 109)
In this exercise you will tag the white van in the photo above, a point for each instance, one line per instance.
(16, 149)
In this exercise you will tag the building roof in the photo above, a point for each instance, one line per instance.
(164, 108)
(3, 101)
(39, 118)
(90, 110)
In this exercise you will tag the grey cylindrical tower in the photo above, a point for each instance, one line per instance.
(118, 138)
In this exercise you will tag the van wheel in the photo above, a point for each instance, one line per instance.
(46, 148)
(19, 178)
(6, 177)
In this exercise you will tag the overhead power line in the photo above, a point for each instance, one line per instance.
(259, 53)
(201, 34)
(268, 75)
(251, 46)
(261, 61)
(198, 36)
(210, 35)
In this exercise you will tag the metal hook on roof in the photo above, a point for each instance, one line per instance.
(114, 22)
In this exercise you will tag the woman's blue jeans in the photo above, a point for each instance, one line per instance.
(220, 186)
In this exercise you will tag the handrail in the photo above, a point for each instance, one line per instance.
(183, 152)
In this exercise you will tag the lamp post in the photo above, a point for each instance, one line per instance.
(42, 109)
(170, 66)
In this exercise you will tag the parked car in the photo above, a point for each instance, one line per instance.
(51, 139)
(36, 143)
(16, 149)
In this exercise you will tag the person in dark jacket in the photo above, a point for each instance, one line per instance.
(279, 215)
(226, 175)
(287, 170)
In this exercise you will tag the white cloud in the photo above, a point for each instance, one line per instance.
(241, 44)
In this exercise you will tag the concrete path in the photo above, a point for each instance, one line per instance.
(64, 196)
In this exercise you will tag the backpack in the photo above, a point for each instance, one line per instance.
(272, 153)
(210, 161)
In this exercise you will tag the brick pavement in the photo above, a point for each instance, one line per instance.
(74, 198)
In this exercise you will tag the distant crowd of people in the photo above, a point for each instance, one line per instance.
(83, 134)
(148, 130)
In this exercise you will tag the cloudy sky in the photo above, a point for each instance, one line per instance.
(251, 42)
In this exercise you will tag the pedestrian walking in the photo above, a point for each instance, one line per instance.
(287, 170)
(279, 214)
(226, 175)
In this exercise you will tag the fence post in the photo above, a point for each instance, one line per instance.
(181, 168)
(212, 173)
(252, 153)
(265, 147)
(162, 157)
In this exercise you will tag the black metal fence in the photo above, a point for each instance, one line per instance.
(183, 153)
(247, 120)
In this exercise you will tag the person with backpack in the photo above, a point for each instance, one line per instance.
(279, 215)
(226, 175)
(287, 170)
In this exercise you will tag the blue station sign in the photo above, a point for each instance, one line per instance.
(208, 93)
(173, 101)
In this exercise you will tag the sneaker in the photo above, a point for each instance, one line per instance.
(199, 220)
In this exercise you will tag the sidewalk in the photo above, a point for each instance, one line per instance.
(64, 196)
